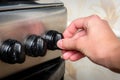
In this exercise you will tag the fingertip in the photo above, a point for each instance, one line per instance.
(76, 57)
(67, 55)
(59, 44)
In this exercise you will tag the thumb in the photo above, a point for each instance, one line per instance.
(67, 44)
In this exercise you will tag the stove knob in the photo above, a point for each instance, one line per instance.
(11, 52)
(51, 38)
(35, 46)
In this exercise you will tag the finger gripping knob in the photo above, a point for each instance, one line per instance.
(51, 38)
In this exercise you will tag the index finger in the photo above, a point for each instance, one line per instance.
(74, 26)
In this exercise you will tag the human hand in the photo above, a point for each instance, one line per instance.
(91, 37)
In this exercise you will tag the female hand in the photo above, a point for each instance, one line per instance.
(91, 37)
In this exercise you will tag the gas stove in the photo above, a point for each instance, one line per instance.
(29, 31)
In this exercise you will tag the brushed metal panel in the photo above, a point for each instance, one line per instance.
(20, 23)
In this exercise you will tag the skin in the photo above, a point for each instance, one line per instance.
(91, 37)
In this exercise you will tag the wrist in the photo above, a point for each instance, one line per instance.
(113, 60)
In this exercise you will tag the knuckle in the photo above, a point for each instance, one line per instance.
(95, 17)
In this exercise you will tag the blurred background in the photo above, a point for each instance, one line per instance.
(109, 10)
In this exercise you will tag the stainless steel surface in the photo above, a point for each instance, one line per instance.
(28, 6)
(18, 24)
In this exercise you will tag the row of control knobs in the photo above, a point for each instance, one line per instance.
(12, 51)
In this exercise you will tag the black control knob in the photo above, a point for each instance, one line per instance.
(11, 52)
(51, 38)
(35, 46)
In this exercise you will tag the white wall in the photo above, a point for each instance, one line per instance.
(84, 69)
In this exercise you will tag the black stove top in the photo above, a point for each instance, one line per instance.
(6, 5)
(12, 2)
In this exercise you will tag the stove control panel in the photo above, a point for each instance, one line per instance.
(29, 31)
(12, 51)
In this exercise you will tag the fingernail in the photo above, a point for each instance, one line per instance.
(59, 44)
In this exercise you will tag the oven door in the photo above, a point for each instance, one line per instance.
(50, 70)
